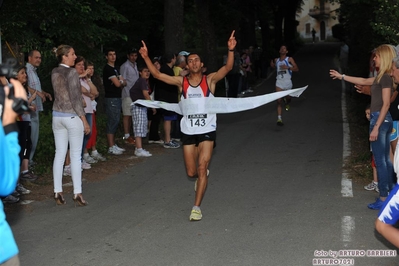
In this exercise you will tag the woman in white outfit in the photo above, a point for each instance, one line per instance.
(69, 123)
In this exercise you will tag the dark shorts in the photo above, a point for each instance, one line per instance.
(168, 115)
(197, 139)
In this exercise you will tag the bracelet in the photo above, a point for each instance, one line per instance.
(343, 77)
(231, 50)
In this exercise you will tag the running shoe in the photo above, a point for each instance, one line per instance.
(280, 122)
(67, 170)
(88, 159)
(10, 199)
(28, 176)
(376, 205)
(195, 215)
(85, 165)
(142, 153)
(22, 190)
(15, 194)
(119, 148)
(287, 107)
(129, 140)
(97, 156)
(113, 150)
(171, 145)
(372, 186)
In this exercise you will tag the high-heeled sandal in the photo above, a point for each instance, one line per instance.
(59, 199)
(78, 199)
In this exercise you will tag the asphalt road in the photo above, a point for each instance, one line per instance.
(274, 196)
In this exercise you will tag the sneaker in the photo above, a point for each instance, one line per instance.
(287, 107)
(176, 139)
(171, 145)
(119, 148)
(195, 185)
(28, 176)
(88, 159)
(376, 205)
(97, 156)
(15, 194)
(142, 153)
(114, 151)
(372, 186)
(195, 215)
(10, 199)
(22, 190)
(280, 122)
(129, 140)
(67, 171)
(156, 141)
(85, 165)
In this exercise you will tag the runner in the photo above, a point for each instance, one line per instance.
(199, 130)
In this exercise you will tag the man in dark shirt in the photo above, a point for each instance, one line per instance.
(170, 94)
(113, 85)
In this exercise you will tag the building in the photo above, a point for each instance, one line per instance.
(319, 15)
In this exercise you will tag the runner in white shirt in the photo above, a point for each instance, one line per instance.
(199, 130)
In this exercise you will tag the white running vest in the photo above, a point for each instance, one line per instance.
(283, 74)
(202, 122)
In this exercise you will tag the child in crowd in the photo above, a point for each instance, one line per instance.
(140, 91)
(374, 184)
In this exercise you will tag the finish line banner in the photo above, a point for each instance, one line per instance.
(219, 105)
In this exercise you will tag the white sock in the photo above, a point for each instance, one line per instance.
(279, 117)
(139, 149)
(127, 135)
(197, 208)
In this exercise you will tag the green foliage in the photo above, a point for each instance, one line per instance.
(386, 20)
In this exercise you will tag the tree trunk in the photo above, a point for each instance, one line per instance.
(173, 20)
(209, 44)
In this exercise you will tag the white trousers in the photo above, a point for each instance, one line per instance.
(68, 130)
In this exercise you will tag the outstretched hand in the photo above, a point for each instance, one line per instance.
(143, 50)
(335, 74)
(231, 43)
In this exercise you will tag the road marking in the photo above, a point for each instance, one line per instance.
(346, 183)
(347, 228)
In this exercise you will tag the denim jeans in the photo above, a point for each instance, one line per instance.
(89, 118)
(381, 149)
(113, 108)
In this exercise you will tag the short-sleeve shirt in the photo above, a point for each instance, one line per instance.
(111, 91)
(376, 92)
(136, 92)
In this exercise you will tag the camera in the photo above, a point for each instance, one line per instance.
(19, 105)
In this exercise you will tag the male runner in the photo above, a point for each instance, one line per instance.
(284, 65)
(199, 130)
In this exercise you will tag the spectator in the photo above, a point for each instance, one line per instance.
(69, 123)
(131, 74)
(9, 168)
(154, 119)
(34, 61)
(139, 91)
(91, 144)
(113, 84)
(380, 118)
(167, 93)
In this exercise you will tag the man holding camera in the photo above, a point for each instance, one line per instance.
(10, 104)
